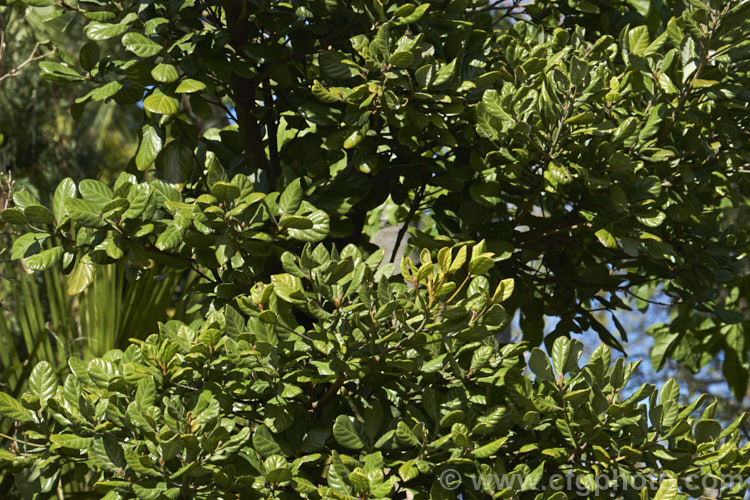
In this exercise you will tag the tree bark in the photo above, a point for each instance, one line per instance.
(243, 92)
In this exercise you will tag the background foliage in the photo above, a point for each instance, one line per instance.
(591, 156)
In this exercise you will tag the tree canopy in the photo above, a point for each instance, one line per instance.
(559, 162)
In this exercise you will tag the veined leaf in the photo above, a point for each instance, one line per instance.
(160, 103)
(189, 86)
(165, 73)
(11, 408)
(84, 212)
(95, 191)
(39, 215)
(44, 259)
(103, 31)
(140, 45)
(81, 276)
(347, 433)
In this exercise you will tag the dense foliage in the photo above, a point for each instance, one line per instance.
(392, 387)
(555, 164)
(630, 145)
(40, 144)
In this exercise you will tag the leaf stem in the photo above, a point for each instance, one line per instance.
(22, 441)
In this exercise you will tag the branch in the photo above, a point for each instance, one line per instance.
(330, 393)
(654, 302)
(22, 441)
(412, 210)
(271, 126)
(689, 87)
(243, 92)
(15, 71)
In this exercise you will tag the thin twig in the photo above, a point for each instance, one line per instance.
(650, 301)
(15, 71)
(21, 441)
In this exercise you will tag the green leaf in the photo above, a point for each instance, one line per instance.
(141, 45)
(503, 291)
(416, 15)
(668, 489)
(105, 91)
(291, 198)
(58, 72)
(493, 105)
(380, 47)
(264, 442)
(338, 476)
(347, 432)
(23, 199)
(652, 220)
(652, 125)
(408, 471)
(606, 238)
(12, 409)
(81, 276)
(160, 103)
(96, 192)
(561, 354)
(101, 371)
(360, 481)
(71, 441)
(288, 287)
(353, 139)
(531, 480)
(151, 144)
(625, 130)
(334, 68)
(138, 197)
(670, 391)
(43, 382)
(141, 465)
(317, 232)
(145, 394)
(296, 222)
(14, 216)
(480, 357)
(323, 94)
(44, 259)
(89, 55)
(434, 364)
(27, 245)
(104, 31)
(277, 474)
(189, 86)
(115, 208)
(402, 59)
(489, 449)
(165, 73)
(480, 265)
(176, 162)
(84, 212)
(39, 215)
(403, 11)
(406, 435)
(225, 191)
(539, 364)
(170, 237)
(638, 40)
(445, 73)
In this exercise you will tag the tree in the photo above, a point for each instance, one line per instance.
(555, 170)
(40, 144)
